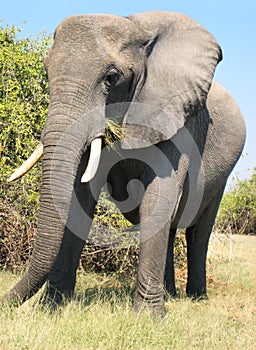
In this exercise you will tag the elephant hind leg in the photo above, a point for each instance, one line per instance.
(169, 278)
(197, 245)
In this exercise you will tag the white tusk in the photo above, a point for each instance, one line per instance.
(94, 160)
(28, 164)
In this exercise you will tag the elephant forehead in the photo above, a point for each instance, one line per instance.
(95, 29)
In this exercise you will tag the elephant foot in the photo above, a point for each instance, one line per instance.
(169, 296)
(156, 309)
(170, 293)
(53, 298)
(197, 296)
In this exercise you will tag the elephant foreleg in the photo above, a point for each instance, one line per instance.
(155, 214)
(61, 282)
(150, 281)
(62, 278)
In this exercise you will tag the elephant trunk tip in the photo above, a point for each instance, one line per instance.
(21, 292)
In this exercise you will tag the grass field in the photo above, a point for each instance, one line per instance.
(101, 315)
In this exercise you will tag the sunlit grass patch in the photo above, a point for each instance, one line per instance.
(101, 315)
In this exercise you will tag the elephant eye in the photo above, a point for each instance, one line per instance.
(112, 78)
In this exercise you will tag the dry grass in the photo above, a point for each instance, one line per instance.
(101, 315)
(113, 132)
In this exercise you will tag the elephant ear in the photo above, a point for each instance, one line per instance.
(181, 57)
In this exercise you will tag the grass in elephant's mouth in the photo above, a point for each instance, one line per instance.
(113, 132)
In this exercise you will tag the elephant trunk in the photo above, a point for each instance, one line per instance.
(63, 151)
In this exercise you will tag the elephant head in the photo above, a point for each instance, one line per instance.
(104, 66)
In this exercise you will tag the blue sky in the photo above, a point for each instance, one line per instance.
(231, 22)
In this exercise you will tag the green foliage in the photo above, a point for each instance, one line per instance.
(238, 208)
(23, 109)
(16, 238)
(108, 215)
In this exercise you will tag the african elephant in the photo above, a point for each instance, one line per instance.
(182, 133)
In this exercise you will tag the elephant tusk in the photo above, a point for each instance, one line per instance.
(28, 164)
(94, 160)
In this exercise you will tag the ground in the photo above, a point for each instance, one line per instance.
(101, 315)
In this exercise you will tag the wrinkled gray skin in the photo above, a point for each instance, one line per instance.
(193, 133)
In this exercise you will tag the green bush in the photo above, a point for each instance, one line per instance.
(16, 237)
(23, 109)
(237, 212)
